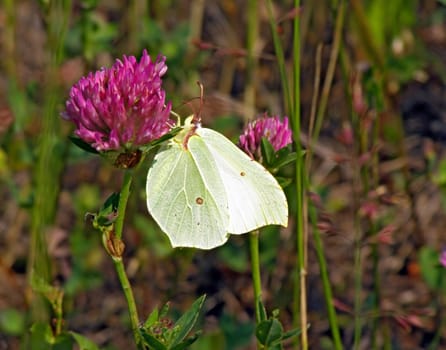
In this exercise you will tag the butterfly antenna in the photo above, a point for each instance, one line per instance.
(197, 116)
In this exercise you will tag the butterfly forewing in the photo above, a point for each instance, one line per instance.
(186, 197)
(255, 198)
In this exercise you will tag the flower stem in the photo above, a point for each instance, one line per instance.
(126, 287)
(280, 59)
(123, 199)
(255, 268)
(117, 260)
(328, 294)
(300, 309)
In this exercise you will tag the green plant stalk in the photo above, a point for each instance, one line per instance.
(366, 34)
(332, 317)
(133, 24)
(289, 107)
(344, 63)
(301, 238)
(8, 62)
(51, 154)
(251, 62)
(318, 245)
(357, 263)
(58, 311)
(123, 199)
(375, 247)
(337, 43)
(376, 292)
(441, 317)
(369, 179)
(358, 286)
(383, 326)
(249, 99)
(255, 270)
(314, 135)
(119, 265)
(133, 312)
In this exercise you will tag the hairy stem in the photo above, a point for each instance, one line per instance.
(117, 260)
(255, 269)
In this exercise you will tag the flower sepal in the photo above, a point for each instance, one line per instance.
(274, 160)
(107, 214)
(83, 145)
(128, 159)
(171, 134)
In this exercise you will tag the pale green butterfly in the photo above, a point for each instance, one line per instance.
(201, 188)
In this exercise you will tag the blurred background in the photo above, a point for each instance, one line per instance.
(377, 180)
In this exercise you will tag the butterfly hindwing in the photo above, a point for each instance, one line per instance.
(255, 198)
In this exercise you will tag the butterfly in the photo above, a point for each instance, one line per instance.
(201, 187)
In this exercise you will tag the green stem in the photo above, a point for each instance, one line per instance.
(332, 317)
(301, 234)
(441, 319)
(358, 285)
(255, 268)
(51, 155)
(123, 199)
(280, 59)
(126, 287)
(251, 62)
(365, 32)
(330, 69)
(117, 260)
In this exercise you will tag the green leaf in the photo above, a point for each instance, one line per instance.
(268, 152)
(284, 159)
(83, 145)
(164, 310)
(236, 334)
(152, 318)
(187, 321)
(291, 333)
(63, 341)
(263, 315)
(39, 285)
(151, 341)
(12, 322)
(41, 336)
(53, 294)
(431, 269)
(440, 176)
(284, 181)
(83, 342)
(161, 140)
(186, 343)
(269, 332)
(107, 214)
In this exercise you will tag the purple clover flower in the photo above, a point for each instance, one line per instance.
(122, 107)
(443, 258)
(277, 132)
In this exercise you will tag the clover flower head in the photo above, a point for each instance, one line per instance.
(276, 131)
(122, 107)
